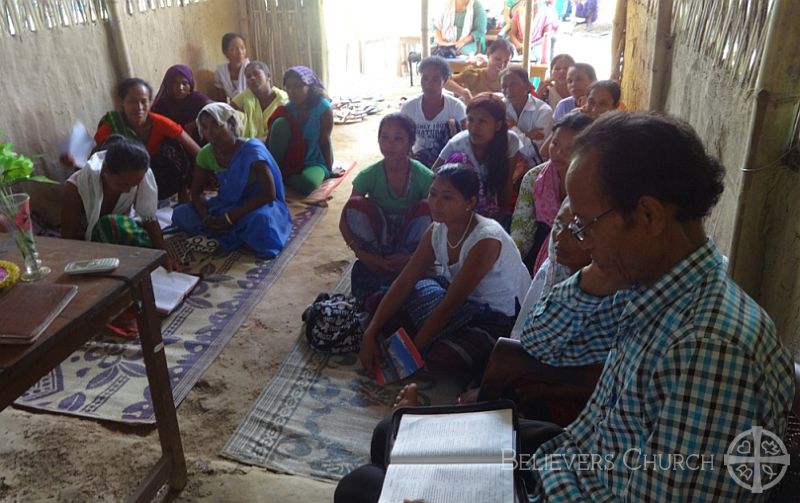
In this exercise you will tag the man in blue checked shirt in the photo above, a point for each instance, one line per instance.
(693, 360)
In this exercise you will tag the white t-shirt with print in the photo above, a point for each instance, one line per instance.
(434, 133)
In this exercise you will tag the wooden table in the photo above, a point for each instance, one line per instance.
(100, 300)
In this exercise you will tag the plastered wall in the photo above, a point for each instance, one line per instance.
(721, 114)
(749, 127)
(189, 35)
(52, 78)
(49, 79)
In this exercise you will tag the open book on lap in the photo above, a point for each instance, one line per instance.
(170, 288)
(452, 457)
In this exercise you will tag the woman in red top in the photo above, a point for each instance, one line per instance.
(172, 151)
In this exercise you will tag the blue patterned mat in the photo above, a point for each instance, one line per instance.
(106, 379)
(315, 418)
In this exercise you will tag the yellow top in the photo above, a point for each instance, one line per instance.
(255, 123)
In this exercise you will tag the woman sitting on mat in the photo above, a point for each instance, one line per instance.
(259, 100)
(387, 213)
(172, 150)
(456, 316)
(99, 197)
(300, 131)
(437, 115)
(460, 28)
(492, 150)
(542, 190)
(250, 207)
(229, 79)
(177, 99)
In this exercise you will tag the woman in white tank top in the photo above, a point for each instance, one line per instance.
(459, 314)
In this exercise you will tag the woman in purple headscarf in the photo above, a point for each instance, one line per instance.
(178, 100)
(300, 131)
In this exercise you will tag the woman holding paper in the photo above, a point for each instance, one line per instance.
(457, 315)
(98, 198)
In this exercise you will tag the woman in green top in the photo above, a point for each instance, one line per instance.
(259, 100)
(462, 26)
(388, 212)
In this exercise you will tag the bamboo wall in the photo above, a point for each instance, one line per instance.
(287, 33)
(732, 69)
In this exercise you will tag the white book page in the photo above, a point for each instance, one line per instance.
(169, 288)
(164, 216)
(478, 483)
(78, 144)
(467, 437)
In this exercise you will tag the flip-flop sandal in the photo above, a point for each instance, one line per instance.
(341, 115)
(338, 172)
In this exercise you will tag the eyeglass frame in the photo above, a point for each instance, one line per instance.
(579, 231)
(558, 226)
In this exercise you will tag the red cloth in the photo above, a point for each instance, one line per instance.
(294, 162)
(163, 127)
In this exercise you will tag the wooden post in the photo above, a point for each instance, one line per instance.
(424, 29)
(618, 39)
(767, 188)
(662, 57)
(122, 57)
(321, 57)
(526, 36)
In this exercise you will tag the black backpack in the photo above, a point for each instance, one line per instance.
(333, 324)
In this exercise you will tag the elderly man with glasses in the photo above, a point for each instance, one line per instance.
(692, 361)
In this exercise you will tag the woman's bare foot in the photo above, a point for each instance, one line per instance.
(407, 397)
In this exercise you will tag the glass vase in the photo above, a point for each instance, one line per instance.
(17, 210)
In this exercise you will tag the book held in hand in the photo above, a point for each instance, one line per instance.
(27, 309)
(452, 457)
(399, 358)
(170, 288)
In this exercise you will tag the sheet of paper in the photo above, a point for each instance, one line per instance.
(473, 483)
(468, 437)
(78, 144)
(164, 216)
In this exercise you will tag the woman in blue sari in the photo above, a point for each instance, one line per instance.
(250, 206)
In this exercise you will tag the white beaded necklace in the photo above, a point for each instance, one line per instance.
(466, 230)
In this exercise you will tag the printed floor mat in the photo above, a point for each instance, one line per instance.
(315, 418)
(106, 378)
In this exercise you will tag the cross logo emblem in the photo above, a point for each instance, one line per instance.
(757, 459)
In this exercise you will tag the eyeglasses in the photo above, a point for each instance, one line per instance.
(579, 230)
